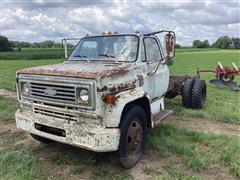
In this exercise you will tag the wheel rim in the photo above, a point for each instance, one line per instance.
(134, 136)
(226, 77)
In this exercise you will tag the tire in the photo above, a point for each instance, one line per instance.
(133, 134)
(187, 93)
(41, 139)
(199, 92)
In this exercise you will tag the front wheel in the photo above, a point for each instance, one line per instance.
(133, 134)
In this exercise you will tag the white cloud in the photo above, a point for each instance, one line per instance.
(42, 19)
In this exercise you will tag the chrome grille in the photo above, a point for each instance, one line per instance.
(60, 91)
(55, 114)
(52, 92)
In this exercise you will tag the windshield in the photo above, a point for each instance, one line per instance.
(106, 48)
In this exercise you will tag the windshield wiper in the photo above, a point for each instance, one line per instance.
(84, 57)
(109, 56)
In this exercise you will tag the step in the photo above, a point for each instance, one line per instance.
(161, 115)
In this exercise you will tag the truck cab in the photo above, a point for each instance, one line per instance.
(103, 97)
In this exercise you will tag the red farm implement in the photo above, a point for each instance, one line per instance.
(224, 76)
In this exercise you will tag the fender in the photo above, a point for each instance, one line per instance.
(114, 111)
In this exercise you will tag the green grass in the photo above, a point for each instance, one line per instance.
(8, 70)
(221, 104)
(183, 50)
(199, 150)
(19, 163)
(8, 108)
(16, 161)
(169, 171)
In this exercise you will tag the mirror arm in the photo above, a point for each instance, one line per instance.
(152, 73)
(158, 32)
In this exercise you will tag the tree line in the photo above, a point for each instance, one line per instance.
(6, 45)
(223, 42)
(43, 44)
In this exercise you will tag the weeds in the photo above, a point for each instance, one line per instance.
(8, 108)
(199, 150)
(18, 163)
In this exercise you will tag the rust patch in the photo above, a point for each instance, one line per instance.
(118, 89)
(104, 88)
(85, 74)
(115, 72)
(121, 88)
(86, 70)
(141, 80)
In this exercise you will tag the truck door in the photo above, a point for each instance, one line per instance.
(158, 73)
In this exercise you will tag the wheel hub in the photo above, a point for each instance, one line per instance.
(134, 136)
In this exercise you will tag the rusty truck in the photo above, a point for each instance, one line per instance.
(106, 95)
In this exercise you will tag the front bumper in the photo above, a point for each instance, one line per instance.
(93, 138)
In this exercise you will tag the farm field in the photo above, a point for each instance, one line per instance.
(56, 53)
(32, 53)
(185, 63)
(173, 152)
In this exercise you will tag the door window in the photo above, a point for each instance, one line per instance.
(152, 49)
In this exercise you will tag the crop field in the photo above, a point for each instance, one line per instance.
(172, 151)
(56, 53)
(33, 54)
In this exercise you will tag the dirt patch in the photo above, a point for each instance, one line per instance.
(8, 126)
(8, 94)
(218, 173)
(204, 125)
(151, 159)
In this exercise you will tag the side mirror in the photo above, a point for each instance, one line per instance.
(64, 50)
(169, 45)
(68, 48)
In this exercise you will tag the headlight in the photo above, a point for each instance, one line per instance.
(84, 95)
(24, 89)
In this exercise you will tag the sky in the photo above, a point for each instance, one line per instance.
(39, 20)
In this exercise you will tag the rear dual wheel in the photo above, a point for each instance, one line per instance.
(194, 93)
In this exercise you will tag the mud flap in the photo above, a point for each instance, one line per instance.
(232, 85)
(217, 83)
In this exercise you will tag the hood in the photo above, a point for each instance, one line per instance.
(82, 69)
